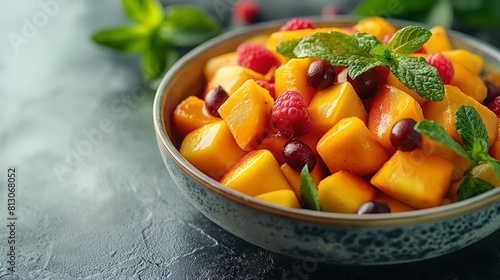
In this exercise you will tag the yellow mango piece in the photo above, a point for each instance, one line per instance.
(494, 78)
(495, 147)
(211, 149)
(285, 198)
(293, 76)
(390, 105)
(443, 112)
(460, 164)
(231, 77)
(330, 105)
(344, 192)
(214, 63)
(293, 176)
(471, 61)
(438, 42)
(393, 81)
(468, 83)
(281, 36)
(375, 26)
(484, 171)
(247, 114)
(256, 173)
(350, 146)
(415, 178)
(189, 115)
(395, 205)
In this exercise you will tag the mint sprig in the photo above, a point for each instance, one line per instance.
(361, 52)
(475, 148)
(308, 191)
(155, 33)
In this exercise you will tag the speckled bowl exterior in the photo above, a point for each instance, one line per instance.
(317, 236)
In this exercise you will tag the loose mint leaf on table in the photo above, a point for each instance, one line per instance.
(472, 186)
(471, 129)
(147, 12)
(408, 40)
(129, 39)
(308, 191)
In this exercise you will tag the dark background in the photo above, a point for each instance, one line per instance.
(93, 198)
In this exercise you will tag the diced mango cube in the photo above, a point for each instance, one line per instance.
(471, 61)
(285, 198)
(189, 115)
(443, 112)
(330, 105)
(281, 36)
(349, 145)
(214, 63)
(460, 164)
(469, 83)
(256, 173)
(375, 26)
(438, 42)
(247, 114)
(344, 192)
(390, 105)
(211, 149)
(485, 172)
(293, 176)
(416, 178)
(495, 147)
(395, 205)
(231, 77)
(293, 76)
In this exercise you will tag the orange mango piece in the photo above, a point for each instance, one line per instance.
(415, 178)
(471, 61)
(395, 205)
(293, 176)
(281, 36)
(452, 193)
(350, 146)
(211, 149)
(285, 198)
(189, 115)
(443, 112)
(375, 26)
(438, 42)
(469, 83)
(330, 105)
(256, 173)
(344, 192)
(393, 81)
(390, 105)
(214, 63)
(231, 77)
(495, 147)
(484, 171)
(293, 76)
(247, 114)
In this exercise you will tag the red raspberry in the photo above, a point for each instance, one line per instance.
(245, 11)
(443, 65)
(256, 57)
(289, 115)
(296, 24)
(267, 85)
(495, 106)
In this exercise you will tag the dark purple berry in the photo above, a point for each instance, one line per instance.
(214, 99)
(321, 74)
(365, 84)
(373, 207)
(403, 135)
(297, 154)
(493, 91)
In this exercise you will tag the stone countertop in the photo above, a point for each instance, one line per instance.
(93, 199)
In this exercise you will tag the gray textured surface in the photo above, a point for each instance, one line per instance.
(94, 200)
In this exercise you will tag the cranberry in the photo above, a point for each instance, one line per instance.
(214, 99)
(297, 154)
(321, 74)
(373, 207)
(403, 135)
(365, 84)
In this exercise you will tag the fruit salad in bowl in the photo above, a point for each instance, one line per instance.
(350, 141)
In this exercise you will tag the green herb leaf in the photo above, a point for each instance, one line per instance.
(147, 12)
(471, 129)
(495, 165)
(419, 76)
(437, 133)
(187, 25)
(130, 39)
(308, 191)
(408, 39)
(392, 8)
(382, 53)
(286, 48)
(157, 58)
(472, 186)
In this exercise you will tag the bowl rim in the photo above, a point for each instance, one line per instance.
(318, 217)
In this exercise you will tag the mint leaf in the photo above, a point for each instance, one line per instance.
(187, 25)
(494, 164)
(471, 129)
(382, 53)
(408, 39)
(130, 39)
(148, 12)
(352, 51)
(308, 191)
(286, 48)
(472, 186)
(158, 57)
(419, 76)
(437, 133)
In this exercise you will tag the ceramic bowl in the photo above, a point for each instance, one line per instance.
(319, 236)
